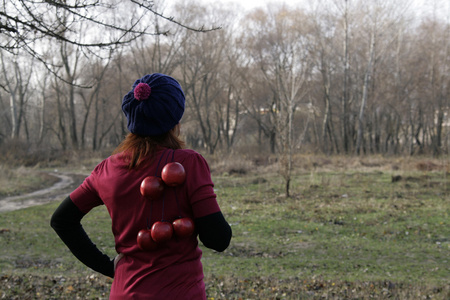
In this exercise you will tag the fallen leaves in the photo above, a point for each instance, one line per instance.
(54, 287)
(316, 288)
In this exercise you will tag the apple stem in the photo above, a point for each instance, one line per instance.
(157, 169)
(178, 203)
(149, 219)
(163, 202)
(167, 158)
(160, 159)
(175, 190)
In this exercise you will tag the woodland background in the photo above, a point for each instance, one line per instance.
(333, 77)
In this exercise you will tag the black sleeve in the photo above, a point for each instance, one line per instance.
(66, 222)
(214, 231)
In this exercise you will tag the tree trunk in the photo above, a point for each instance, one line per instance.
(367, 78)
(345, 119)
(14, 117)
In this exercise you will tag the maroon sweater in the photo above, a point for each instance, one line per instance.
(174, 270)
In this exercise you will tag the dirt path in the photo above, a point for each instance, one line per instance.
(58, 191)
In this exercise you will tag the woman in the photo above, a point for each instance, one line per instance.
(172, 268)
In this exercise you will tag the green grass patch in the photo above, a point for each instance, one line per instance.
(342, 235)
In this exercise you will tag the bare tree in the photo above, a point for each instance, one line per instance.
(324, 50)
(43, 86)
(259, 105)
(204, 79)
(17, 84)
(59, 129)
(381, 17)
(345, 83)
(280, 50)
(26, 23)
(159, 53)
(232, 74)
(92, 97)
(435, 81)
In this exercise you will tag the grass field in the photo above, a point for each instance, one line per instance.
(376, 230)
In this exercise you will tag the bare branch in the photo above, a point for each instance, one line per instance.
(25, 21)
(149, 7)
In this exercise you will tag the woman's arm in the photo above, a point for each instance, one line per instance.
(66, 222)
(214, 231)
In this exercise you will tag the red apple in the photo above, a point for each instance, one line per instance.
(183, 227)
(152, 187)
(173, 174)
(145, 241)
(162, 231)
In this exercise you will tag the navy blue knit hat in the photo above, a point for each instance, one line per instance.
(154, 105)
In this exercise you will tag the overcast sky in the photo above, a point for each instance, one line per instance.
(421, 6)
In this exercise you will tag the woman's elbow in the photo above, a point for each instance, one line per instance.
(221, 242)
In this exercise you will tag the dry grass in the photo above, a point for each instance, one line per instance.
(252, 164)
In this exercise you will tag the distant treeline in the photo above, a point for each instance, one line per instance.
(341, 77)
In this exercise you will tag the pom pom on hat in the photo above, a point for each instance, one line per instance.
(162, 109)
(142, 91)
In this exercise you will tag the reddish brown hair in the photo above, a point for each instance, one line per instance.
(136, 147)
